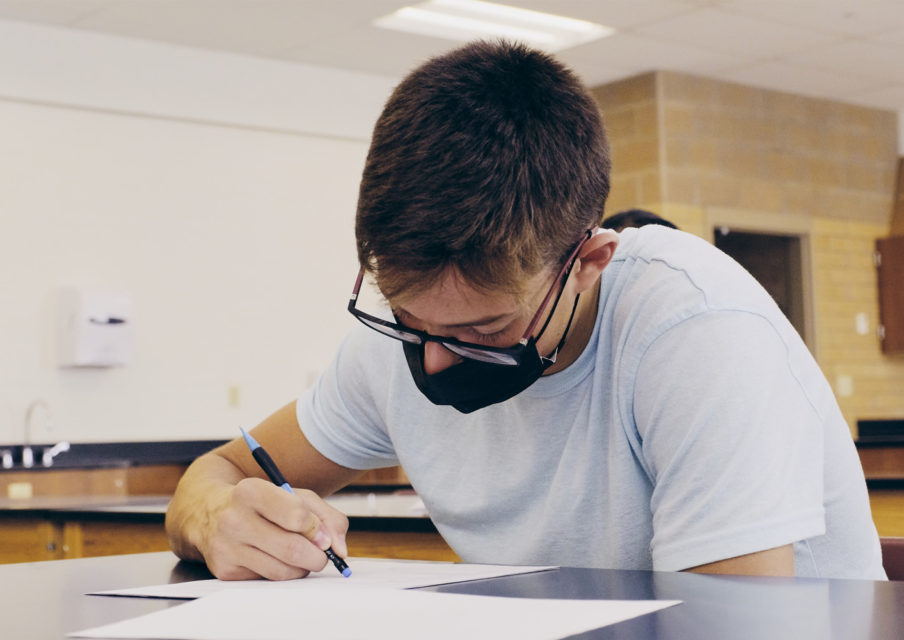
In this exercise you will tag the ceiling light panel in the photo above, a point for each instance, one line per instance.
(473, 19)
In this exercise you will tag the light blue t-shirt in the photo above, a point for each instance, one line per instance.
(694, 427)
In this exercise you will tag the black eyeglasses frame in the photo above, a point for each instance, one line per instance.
(505, 356)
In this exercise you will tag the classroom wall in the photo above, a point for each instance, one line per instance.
(217, 191)
(704, 153)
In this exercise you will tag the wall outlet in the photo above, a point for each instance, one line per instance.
(844, 386)
(234, 396)
(19, 490)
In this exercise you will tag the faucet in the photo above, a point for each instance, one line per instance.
(51, 452)
(28, 457)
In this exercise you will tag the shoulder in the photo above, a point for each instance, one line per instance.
(367, 349)
(366, 371)
(658, 251)
(662, 276)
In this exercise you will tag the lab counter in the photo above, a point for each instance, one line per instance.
(391, 505)
(381, 524)
(880, 446)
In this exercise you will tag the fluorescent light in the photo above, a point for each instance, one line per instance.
(472, 19)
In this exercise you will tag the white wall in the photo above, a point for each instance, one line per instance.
(218, 191)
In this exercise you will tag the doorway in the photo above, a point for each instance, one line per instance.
(777, 262)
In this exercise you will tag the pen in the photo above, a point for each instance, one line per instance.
(276, 477)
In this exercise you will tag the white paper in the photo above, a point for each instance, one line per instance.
(332, 612)
(366, 572)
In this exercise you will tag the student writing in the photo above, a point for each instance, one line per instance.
(557, 393)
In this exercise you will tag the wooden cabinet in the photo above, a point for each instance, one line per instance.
(887, 506)
(58, 522)
(114, 481)
(88, 538)
(882, 458)
(70, 516)
(46, 535)
(402, 538)
(890, 267)
(28, 538)
(57, 535)
(67, 518)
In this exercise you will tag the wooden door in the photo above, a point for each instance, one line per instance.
(890, 266)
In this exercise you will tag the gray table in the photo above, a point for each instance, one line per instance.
(45, 600)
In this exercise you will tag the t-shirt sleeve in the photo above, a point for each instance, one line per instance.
(340, 415)
(730, 440)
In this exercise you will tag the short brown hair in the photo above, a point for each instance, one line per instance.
(491, 159)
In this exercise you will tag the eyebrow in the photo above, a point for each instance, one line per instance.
(479, 322)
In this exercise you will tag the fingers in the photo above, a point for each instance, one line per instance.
(305, 513)
(264, 531)
(252, 528)
(333, 521)
(250, 563)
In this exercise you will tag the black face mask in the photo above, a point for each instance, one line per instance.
(471, 385)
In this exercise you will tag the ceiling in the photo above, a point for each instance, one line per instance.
(848, 50)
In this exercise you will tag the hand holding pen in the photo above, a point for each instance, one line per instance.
(273, 473)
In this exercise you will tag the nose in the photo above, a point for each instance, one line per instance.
(437, 358)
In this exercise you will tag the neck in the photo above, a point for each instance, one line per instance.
(580, 331)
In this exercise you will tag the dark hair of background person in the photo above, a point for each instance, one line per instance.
(634, 218)
(491, 160)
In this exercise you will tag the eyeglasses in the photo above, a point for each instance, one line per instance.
(507, 356)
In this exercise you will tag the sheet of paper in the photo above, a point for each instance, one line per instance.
(366, 572)
(333, 612)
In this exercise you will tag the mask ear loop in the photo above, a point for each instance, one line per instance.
(551, 358)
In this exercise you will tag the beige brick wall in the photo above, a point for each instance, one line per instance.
(632, 122)
(700, 151)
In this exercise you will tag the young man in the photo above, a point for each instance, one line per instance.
(556, 393)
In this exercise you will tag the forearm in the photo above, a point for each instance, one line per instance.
(772, 562)
(202, 490)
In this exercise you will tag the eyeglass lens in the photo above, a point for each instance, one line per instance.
(393, 332)
(474, 353)
(492, 357)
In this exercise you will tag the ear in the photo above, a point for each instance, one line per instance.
(595, 255)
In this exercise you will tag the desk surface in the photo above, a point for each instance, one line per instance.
(45, 600)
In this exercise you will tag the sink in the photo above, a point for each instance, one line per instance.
(98, 455)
